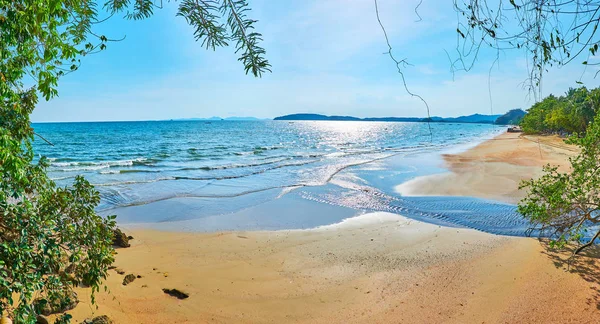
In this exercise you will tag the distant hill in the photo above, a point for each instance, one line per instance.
(512, 117)
(314, 117)
(476, 118)
(219, 118)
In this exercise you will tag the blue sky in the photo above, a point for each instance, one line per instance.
(327, 57)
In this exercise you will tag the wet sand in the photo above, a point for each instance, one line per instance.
(375, 268)
(494, 168)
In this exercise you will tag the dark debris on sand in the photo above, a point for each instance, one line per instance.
(176, 293)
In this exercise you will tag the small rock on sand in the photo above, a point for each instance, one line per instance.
(57, 306)
(99, 320)
(120, 239)
(128, 279)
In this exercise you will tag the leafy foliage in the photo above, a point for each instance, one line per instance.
(568, 204)
(216, 22)
(51, 239)
(571, 113)
(552, 33)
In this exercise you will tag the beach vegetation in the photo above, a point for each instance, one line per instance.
(568, 114)
(566, 205)
(51, 238)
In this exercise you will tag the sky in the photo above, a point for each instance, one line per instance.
(327, 56)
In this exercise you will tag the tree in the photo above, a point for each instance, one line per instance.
(50, 238)
(550, 32)
(566, 206)
(571, 113)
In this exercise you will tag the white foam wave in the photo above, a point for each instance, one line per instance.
(120, 183)
(111, 172)
(92, 166)
(62, 178)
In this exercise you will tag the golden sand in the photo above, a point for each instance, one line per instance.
(493, 169)
(376, 268)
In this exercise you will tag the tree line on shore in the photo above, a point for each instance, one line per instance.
(567, 114)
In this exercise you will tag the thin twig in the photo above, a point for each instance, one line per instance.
(417, 12)
(398, 66)
(45, 140)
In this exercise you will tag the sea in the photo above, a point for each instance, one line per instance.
(267, 175)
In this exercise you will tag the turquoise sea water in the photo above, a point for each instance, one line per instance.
(225, 175)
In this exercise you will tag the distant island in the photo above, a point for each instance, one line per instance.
(215, 118)
(512, 117)
(505, 119)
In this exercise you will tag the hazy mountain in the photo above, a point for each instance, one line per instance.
(476, 118)
(215, 118)
(512, 117)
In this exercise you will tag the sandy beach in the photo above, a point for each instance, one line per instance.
(494, 168)
(374, 268)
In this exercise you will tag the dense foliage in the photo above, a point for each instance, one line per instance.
(566, 206)
(50, 238)
(571, 113)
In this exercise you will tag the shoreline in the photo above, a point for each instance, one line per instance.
(375, 267)
(493, 169)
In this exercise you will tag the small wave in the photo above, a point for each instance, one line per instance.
(92, 166)
(234, 166)
(139, 171)
(184, 195)
(273, 157)
(200, 157)
(120, 183)
(199, 153)
(261, 149)
(192, 178)
(111, 172)
(84, 168)
(129, 171)
(62, 178)
(267, 148)
(335, 154)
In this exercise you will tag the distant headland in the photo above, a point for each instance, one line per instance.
(216, 118)
(510, 117)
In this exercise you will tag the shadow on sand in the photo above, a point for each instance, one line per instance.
(586, 264)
